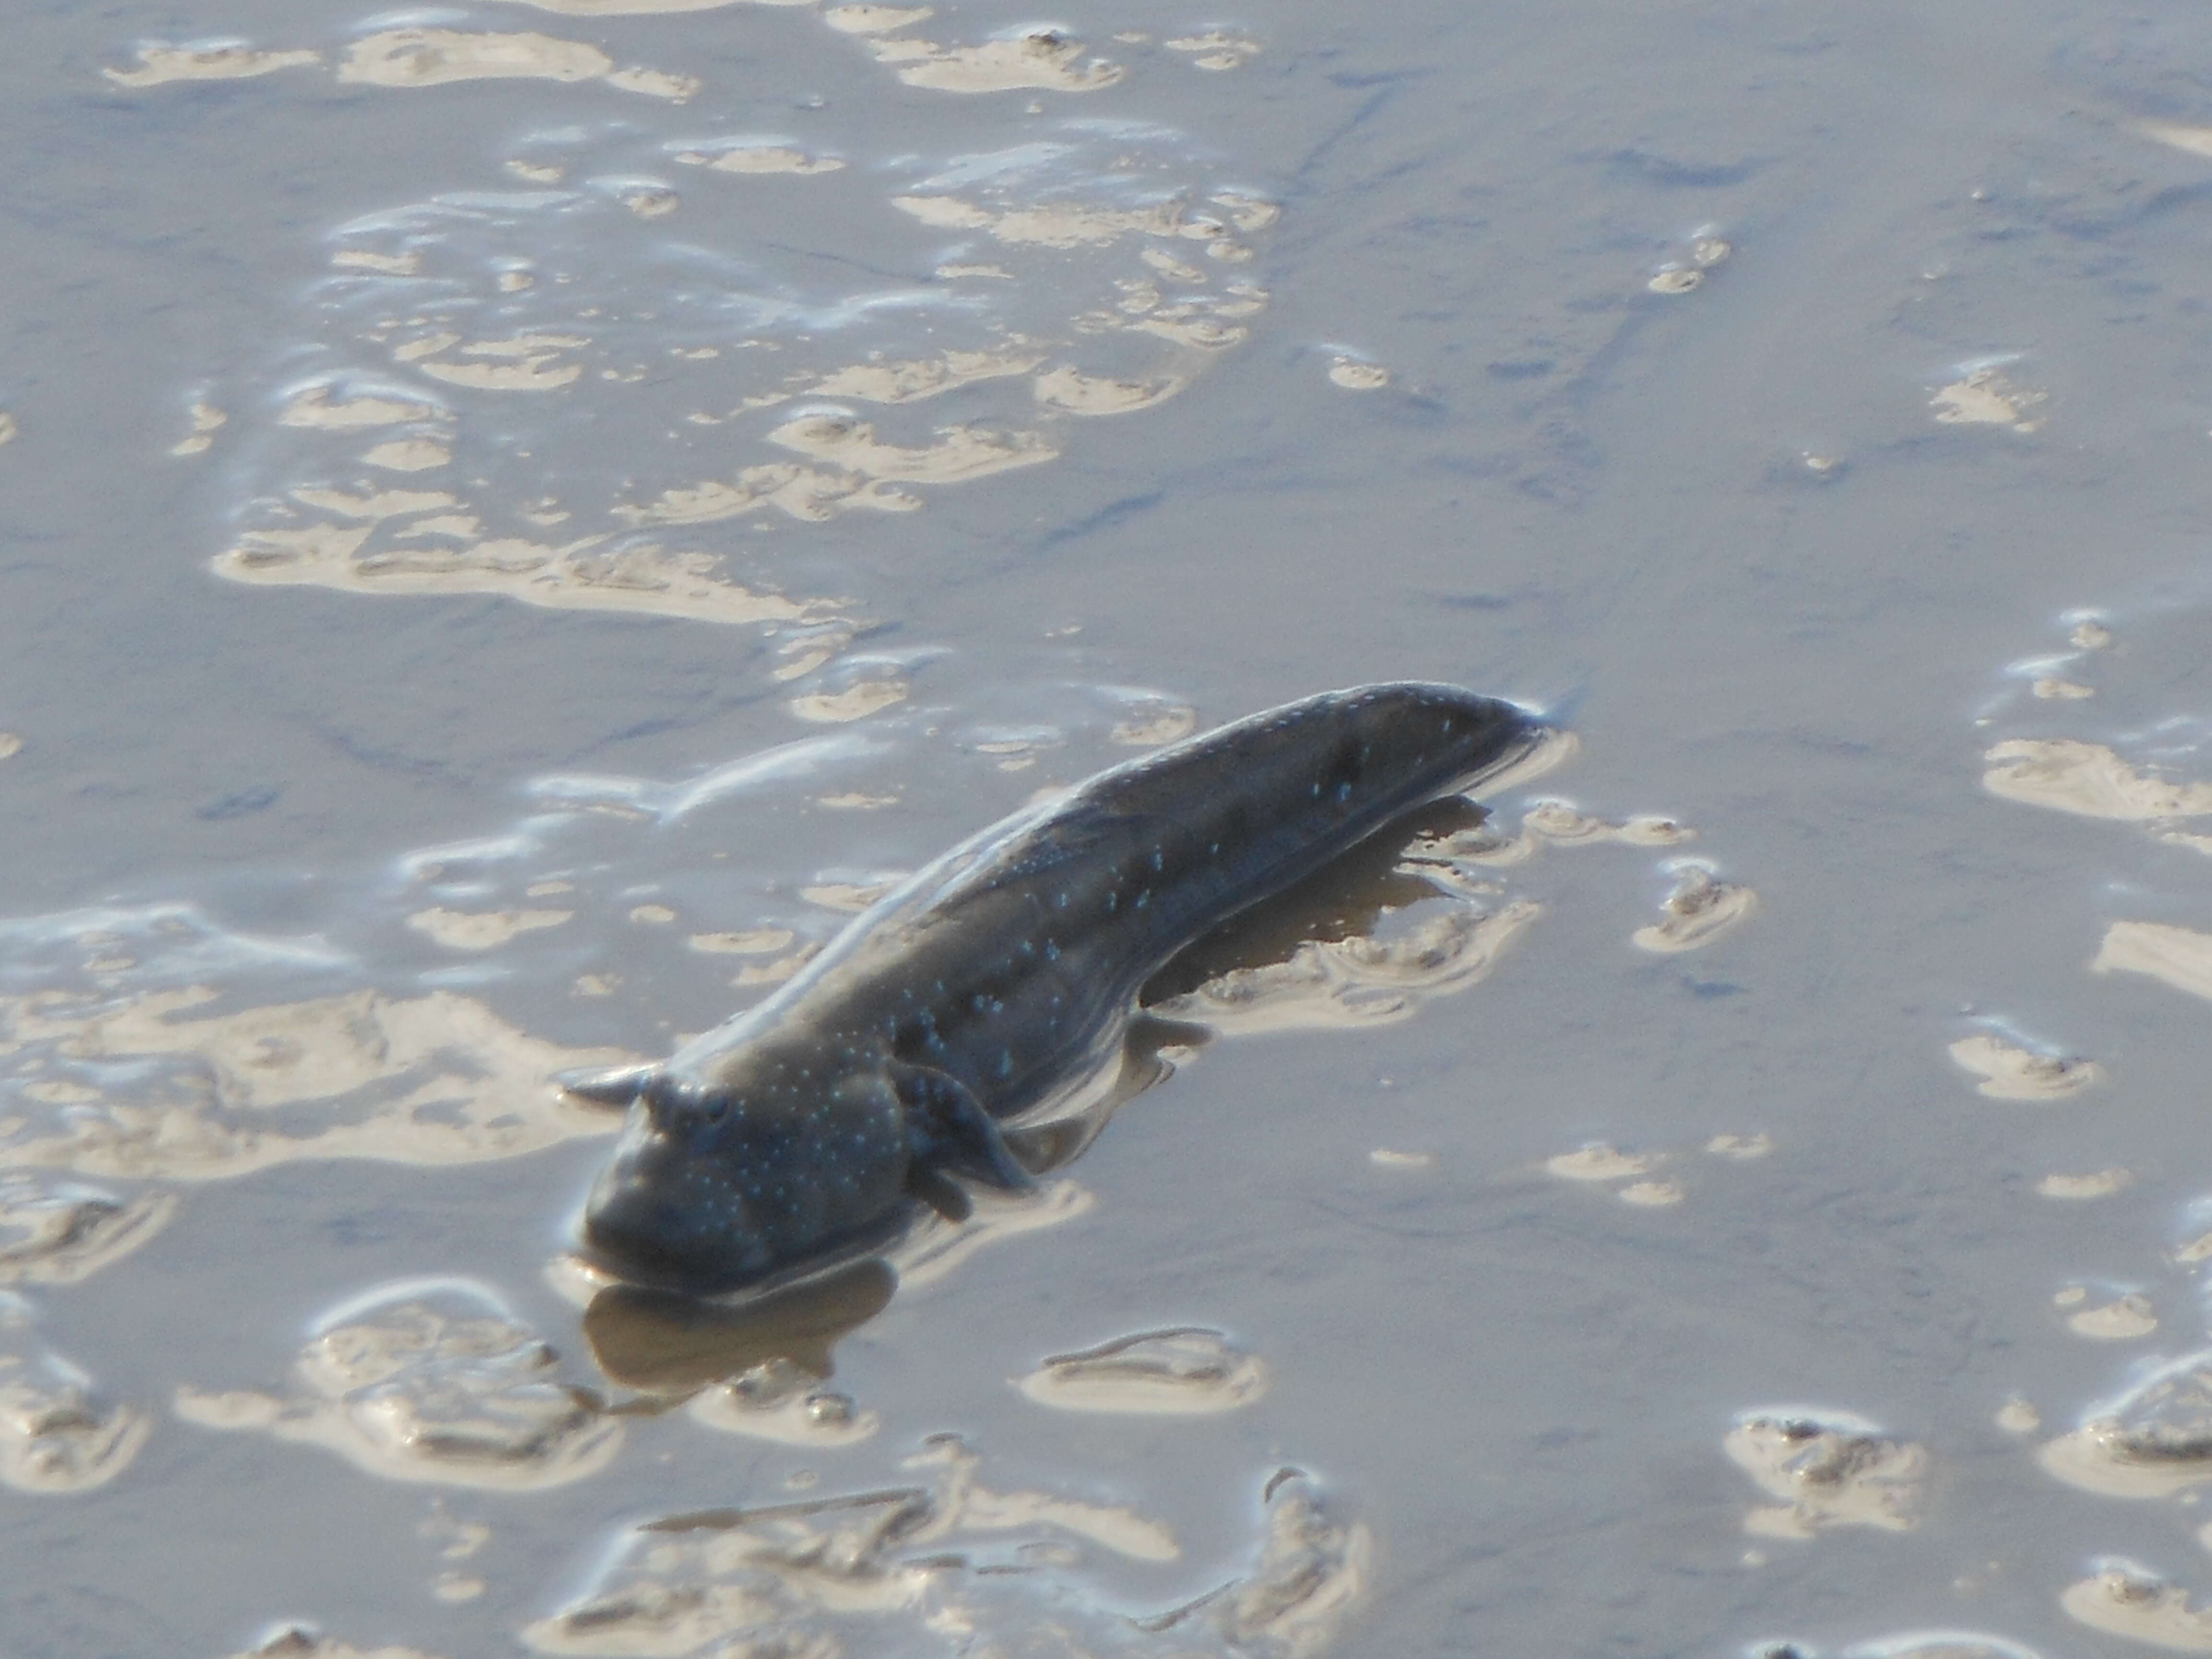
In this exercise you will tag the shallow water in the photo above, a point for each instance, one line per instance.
(517, 519)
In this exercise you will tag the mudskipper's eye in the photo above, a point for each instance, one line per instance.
(716, 1107)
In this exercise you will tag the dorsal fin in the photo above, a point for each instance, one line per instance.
(606, 1085)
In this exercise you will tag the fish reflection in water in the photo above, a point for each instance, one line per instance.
(645, 1338)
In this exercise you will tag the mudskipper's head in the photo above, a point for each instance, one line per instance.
(717, 1184)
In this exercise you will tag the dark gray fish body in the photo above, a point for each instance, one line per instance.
(995, 977)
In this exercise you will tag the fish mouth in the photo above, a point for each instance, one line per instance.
(635, 1229)
(642, 1239)
(631, 1261)
(629, 1241)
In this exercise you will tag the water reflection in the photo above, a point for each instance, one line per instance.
(668, 1344)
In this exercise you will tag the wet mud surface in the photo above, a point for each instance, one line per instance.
(517, 521)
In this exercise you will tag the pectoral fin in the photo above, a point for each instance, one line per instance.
(606, 1085)
(939, 1191)
(947, 1128)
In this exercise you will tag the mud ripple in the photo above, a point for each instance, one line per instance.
(949, 1565)
(1183, 1372)
(435, 1383)
(1829, 1470)
(56, 1434)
